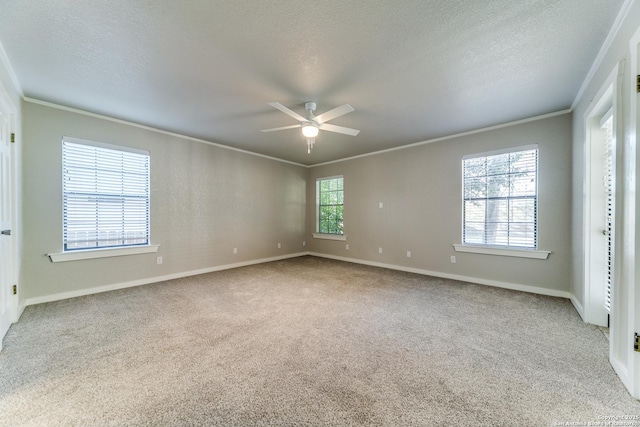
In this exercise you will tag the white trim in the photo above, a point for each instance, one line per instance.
(488, 282)
(164, 132)
(140, 282)
(606, 45)
(101, 253)
(577, 306)
(327, 236)
(444, 138)
(502, 151)
(202, 141)
(631, 377)
(12, 75)
(317, 234)
(623, 373)
(512, 252)
(19, 311)
(323, 178)
(12, 309)
(97, 144)
(116, 286)
(595, 313)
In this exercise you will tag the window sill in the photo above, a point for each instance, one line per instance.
(489, 250)
(340, 237)
(101, 253)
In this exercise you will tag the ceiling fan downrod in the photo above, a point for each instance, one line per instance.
(310, 107)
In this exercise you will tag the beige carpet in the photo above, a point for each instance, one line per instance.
(308, 341)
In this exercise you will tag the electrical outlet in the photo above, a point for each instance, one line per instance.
(379, 250)
(380, 205)
(346, 246)
(408, 254)
(279, 245)
(159, 260)
(453, 259)
(235, 250)
(304, 243)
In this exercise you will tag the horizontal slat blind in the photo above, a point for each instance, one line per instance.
(609, 173)
(105, 197)
(500, 199)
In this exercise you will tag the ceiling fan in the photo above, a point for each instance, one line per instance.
(313, 124)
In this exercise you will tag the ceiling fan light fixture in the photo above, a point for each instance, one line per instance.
(310, 130)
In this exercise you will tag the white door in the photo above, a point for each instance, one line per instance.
(634, 300)
(6, 210)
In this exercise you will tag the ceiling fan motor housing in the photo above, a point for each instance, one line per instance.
(310, 106)
(311, 125)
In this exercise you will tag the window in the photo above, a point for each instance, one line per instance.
(330, 205)
(500, 191)
(105, 195)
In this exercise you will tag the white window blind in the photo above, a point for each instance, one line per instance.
(609, 186)
(500, 198)
(105, 195)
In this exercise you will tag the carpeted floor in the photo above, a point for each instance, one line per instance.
(308, 341)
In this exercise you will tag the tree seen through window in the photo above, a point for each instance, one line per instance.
(330, 194)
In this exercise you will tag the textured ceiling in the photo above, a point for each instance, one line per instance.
(413, 70)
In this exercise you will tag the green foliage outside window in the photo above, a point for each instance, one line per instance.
(330, 206)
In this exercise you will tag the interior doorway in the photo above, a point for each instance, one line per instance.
(599, 203)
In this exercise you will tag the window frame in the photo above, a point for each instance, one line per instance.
(507, 250)
(324, 235)
(116, 249)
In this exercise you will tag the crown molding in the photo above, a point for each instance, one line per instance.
(12, 75)
(613, 32)
(149, 128)
(444, 138)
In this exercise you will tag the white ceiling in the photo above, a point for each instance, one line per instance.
(413, 70)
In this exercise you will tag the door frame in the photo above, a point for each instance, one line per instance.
(13, 303)
(594, 246)
(633, 269)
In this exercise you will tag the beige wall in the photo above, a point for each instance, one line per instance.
(205, 201)
(420, 188)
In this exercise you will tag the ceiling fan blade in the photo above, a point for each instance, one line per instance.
(332, 114)
(281, 128)
(287, 111)
(339, 129)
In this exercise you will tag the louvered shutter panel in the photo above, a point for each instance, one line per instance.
(609, 185)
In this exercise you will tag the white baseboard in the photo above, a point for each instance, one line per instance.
(578, 307)
(623, 374)
(495, 283)
(18, 313)
(146, 281)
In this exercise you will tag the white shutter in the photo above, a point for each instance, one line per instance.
(105, 195)
(609, 186)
